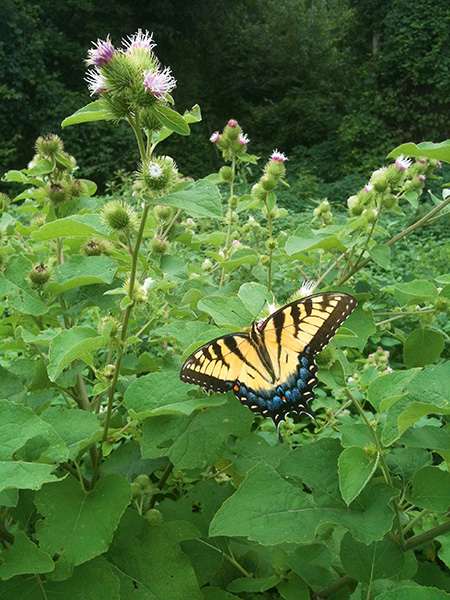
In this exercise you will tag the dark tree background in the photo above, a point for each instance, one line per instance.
(335, 84)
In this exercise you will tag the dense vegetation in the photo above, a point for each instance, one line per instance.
(336, 84)
(119, 481)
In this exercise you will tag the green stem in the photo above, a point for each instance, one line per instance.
(384, 467)
(269, 269)
(427, 536)
(230, 216)
(123, 338)
(136, 127)
(171, 224)
(334, 587)
(416, 519)
(161, 482)
(76, 473)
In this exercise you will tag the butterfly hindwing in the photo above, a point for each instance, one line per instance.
(271, 369)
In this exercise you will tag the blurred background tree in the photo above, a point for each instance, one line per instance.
(335, 84)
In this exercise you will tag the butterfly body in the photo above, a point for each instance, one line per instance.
(271, 367)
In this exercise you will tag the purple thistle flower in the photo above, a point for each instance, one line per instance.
(368, 187)
(421, 178)
(141, 39)
(96, 82)
(402, 163)
(438, 164)
(278, 156)
(232, 123)
(215, 137)
(159, 83)
(243, 139)
(101, 54)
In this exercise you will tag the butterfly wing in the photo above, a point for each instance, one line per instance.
(272, 369)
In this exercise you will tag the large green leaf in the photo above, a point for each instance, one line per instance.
(148, 561)
(91, 581)
(440, 151)
(171, 119)
(76, 226)
(415, 292)
(379, 560)
(70, 345)
(414, 592)
(78, 525)
(24, 557)
(271, 511)
(14, 284)
(76, 427)
(356, 468)
(243, 256)
(385, 391)
(82, 270)
(90, 112)
(165, 393)
(304, 238)
(196, 441)
(431, 489)
(200, 198)
(422, 347)
(226, 310)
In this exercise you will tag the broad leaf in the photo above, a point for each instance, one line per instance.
(70, 345)
(356, 468)
(82, 270)
(24, 557)
(90, 112)
(422, 347)
(200, 198)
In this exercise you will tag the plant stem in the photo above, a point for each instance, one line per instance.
(123, 338)
(384, 467)
(334, 587)
(427, 536)
(161, 482)
(416, 519)
(135, 125)
(76, 473)
(171, 224)
(230, 216)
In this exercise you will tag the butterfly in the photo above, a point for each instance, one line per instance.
(271, 367)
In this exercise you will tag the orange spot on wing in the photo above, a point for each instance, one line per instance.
(236, 388)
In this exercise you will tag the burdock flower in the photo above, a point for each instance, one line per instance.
(232, 123)
(101, 54)
(402, 163)
(278, 156)
(243, 139)
(141, 39)
(96, 82)
(159, 83)
(215, 137)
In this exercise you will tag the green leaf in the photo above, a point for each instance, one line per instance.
(165, 394)
(76, 427)
(415, 292)
(171, 119)
(385, 391)
(431, 489)
(422, 347)
(226, 311)
(25, 475)
(18, 425)
(304, 238)
(92, 581)
(254, 584)
(355, 470)
(70, 345)
(82, 270)
(15, 285)
(414, 592)
(214, 593)
(379, 560)
(285, 513)
(362, 324)
(76, 226)
(440, 151)
(199, 198)
(24, 557)
(78, 525)
(243, 256)
(149, 562)
(381, 255)
(90, 112)
(196, 441)
(312, 562)
(412, 197)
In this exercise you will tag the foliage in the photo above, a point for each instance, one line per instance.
(119, 480)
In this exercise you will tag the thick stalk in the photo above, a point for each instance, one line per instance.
(123, 337)
(427, 536)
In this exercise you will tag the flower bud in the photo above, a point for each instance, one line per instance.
(159, 246)
(158, 176)
(207, 266)
(138, 294)
(380, 180)
(109, 372)
(327, 356)
(233, 202)
(154, 516)
(57, 194)
(95, 247)
(161, 212)
(427, 318)
(49, 146)
(118, 217)
(442, 304)
(265, 260)
(268, 182)
(271, 244)
(259, 192)
(354, 206)
(389, 201)
(226, 174)
(275, 169)
(370, 214)
(110, 327)
(39, 276)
